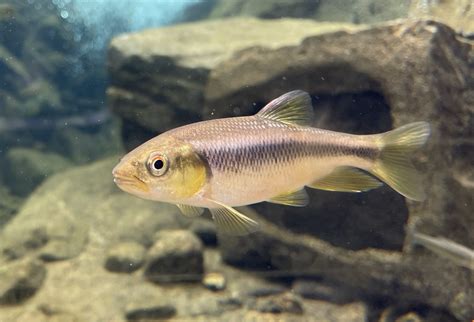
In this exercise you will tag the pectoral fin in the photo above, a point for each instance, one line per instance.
(190, 211)
(231, 221)
(297, 198)
(346, 179)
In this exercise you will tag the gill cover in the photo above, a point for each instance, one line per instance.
(187, 172)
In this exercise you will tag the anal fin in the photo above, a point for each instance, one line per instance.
(297, 198)
(190, 211)
(346, 179)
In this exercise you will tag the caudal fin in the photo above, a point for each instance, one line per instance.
(394, 166)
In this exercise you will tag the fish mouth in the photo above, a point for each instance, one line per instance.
(127, 182)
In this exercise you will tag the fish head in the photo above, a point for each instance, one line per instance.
(162, 169)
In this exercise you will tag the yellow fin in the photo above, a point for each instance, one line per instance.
(347, 179)
(291, 108)
(297, 198)
(394, 166)
(190, 211)
(231, 221)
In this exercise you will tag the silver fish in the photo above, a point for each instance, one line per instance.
(271, 156)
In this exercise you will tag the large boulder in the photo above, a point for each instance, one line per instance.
(158, 76)
(366, 82)
(355, 11)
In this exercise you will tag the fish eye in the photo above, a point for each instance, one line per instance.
(157, 164)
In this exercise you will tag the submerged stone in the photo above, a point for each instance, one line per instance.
(19, 280)
(125, 257)
(176, 256)
(214, 281)
(150, 313)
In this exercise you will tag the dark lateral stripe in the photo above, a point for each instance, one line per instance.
(255, 156)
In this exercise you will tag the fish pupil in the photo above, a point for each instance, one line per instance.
(158, 164)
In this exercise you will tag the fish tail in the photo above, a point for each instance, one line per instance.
(393, 165)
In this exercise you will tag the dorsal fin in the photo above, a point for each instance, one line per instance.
(290, 108)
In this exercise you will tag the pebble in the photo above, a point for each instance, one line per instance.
(214, 281)
(19, 280)
(125, 257)
(280, 304)
(150, 313)
(176, 256)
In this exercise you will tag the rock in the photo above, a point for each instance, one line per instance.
(360, 11)
(176, 256)
(40, 98)
(333, 68)
(214, 281)
(315, 290)
(230, 303)
(9, 205)
(12, 29)
(16, 247)
(205, 230)
(281, 304)
(50, 241)
(85, 145)
(263, 289)
(156, 312)
(50, 313)
(14, 72)
(125, 257)
(458, 14)
(67, 238)
(421, 314)
(19, 280)
(409, 317)
(352, 312)
(27, 168)
(174, 74)
(46, 79)
(39, 315)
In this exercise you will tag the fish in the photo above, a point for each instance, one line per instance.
(271, 156)
(456, 253)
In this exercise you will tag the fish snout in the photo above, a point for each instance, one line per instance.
(126, 179)
(120, 175)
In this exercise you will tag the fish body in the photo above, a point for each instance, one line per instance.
(456, 253)
(271, 156)
(253, 159)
